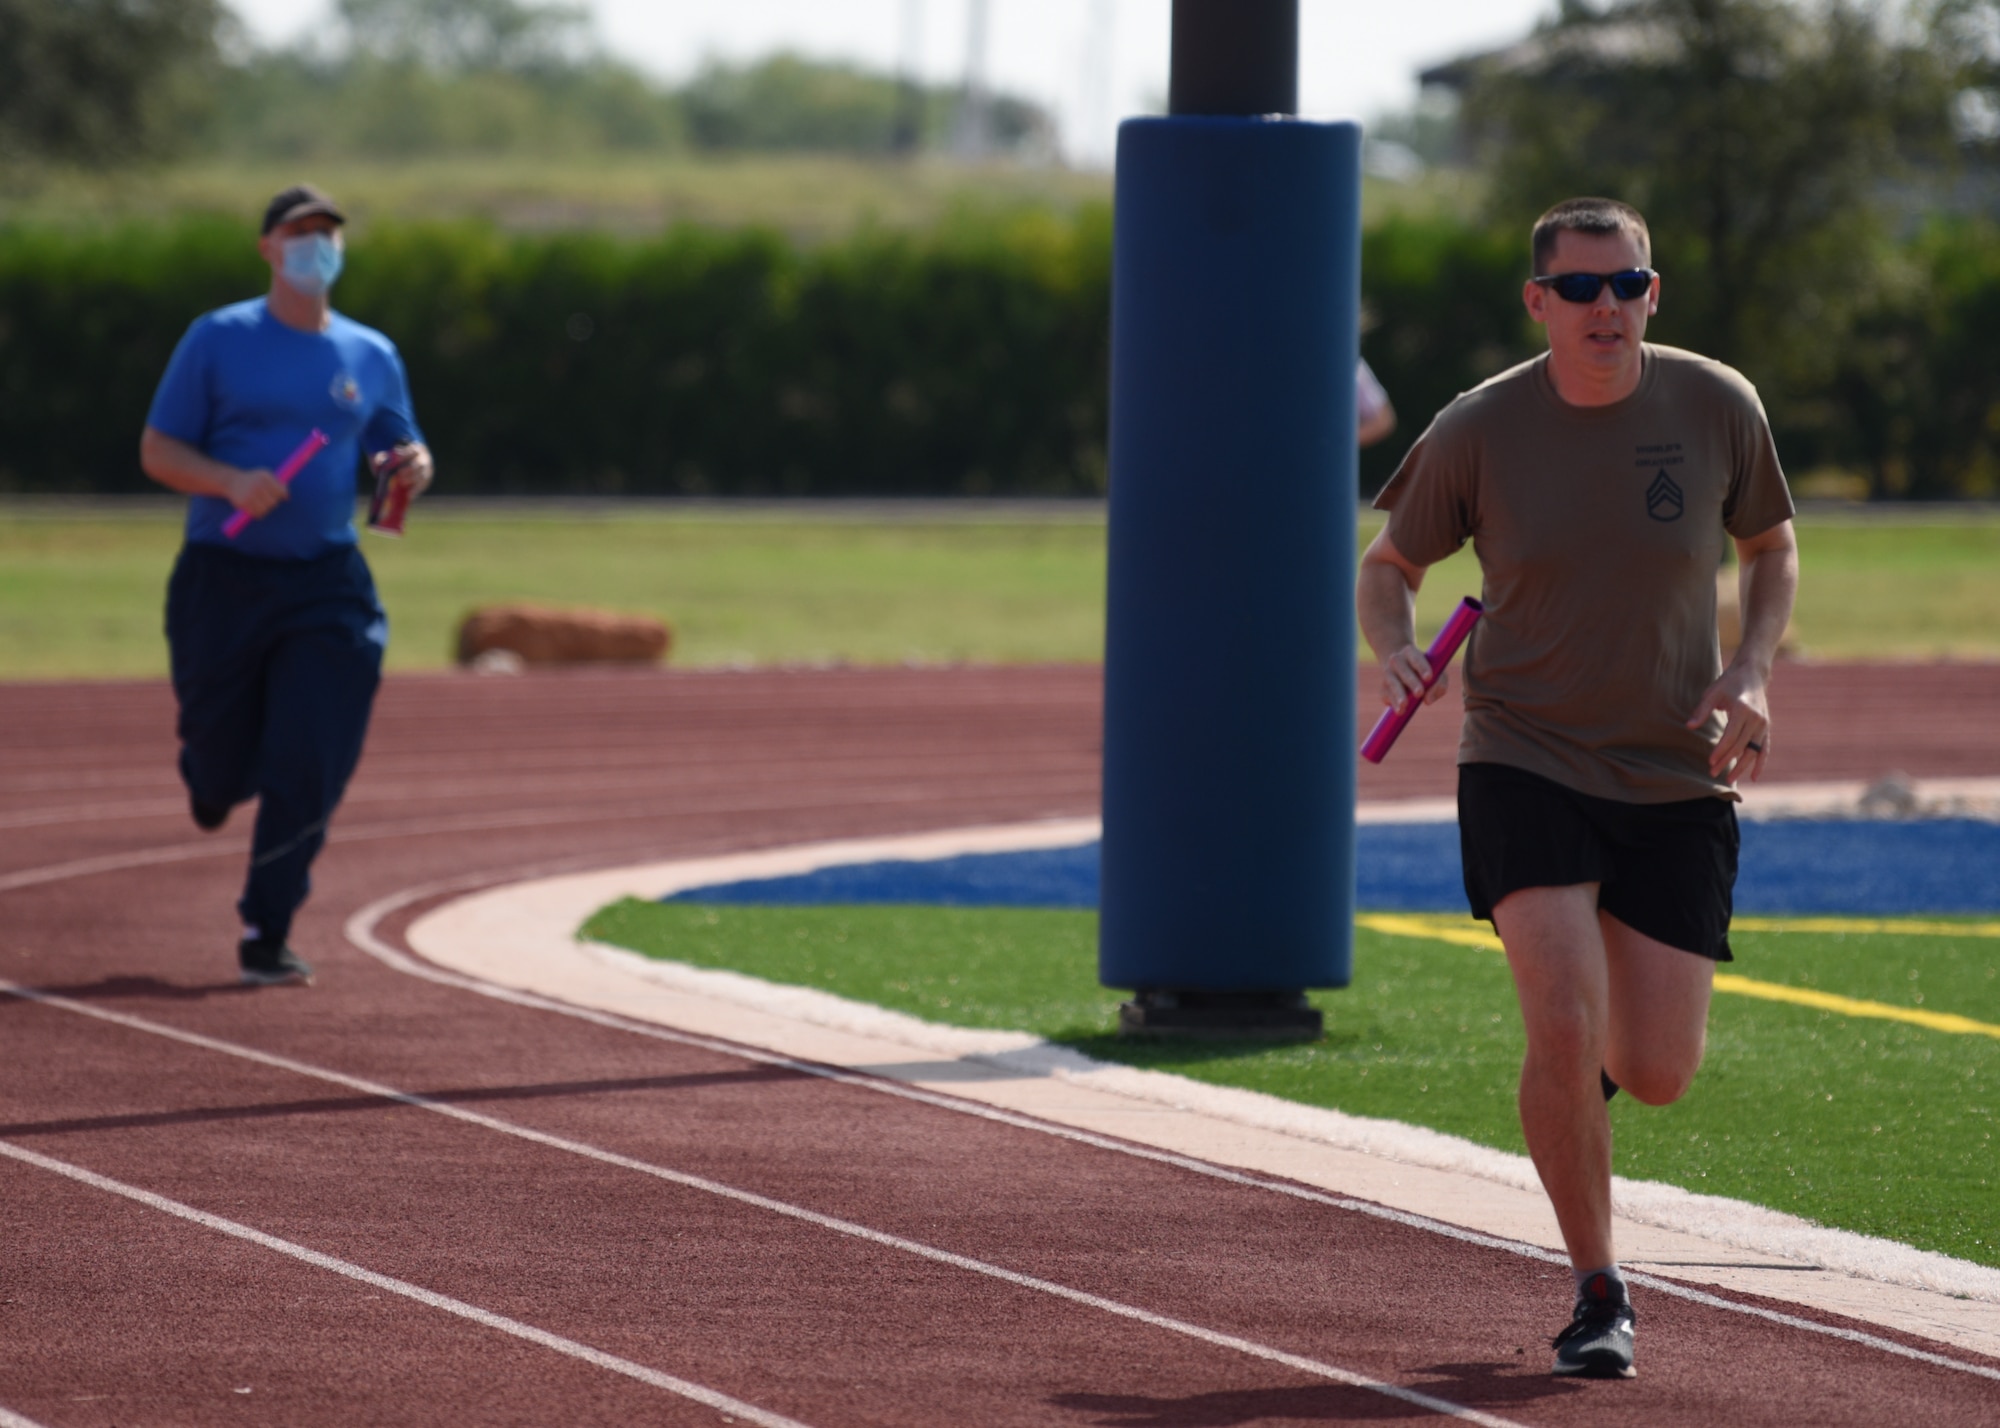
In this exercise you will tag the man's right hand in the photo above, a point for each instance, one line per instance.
(1403, 676)
(257, 492)
(1386, 601)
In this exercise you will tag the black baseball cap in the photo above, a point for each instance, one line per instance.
(301, 200)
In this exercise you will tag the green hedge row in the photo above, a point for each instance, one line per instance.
(969, 360)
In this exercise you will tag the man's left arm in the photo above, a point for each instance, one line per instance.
(1767, 586)
(394, 424)
(413, 466)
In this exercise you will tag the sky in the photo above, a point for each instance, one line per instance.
(1357, 59)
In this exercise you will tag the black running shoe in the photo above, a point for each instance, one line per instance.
(1598, 1341)
(208, 816)
(271, 965)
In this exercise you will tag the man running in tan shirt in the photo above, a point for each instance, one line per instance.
(1603, 739)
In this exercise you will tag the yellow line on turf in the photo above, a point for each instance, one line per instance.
(1459, 933)
(1850, 1006)
(1456, 931)
(1863, 925)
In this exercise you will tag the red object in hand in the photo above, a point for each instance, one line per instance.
(391, 502)
(293, 465)
(1376, 747)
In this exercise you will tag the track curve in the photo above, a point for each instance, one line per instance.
(562, 1177)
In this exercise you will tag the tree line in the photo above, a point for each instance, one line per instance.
(107, 82)
(1822, 178)
(1821, 181)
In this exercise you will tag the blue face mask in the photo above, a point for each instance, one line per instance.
(311, 262)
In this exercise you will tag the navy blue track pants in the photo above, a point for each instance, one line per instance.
(275, 665)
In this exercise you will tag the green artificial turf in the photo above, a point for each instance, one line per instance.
(1867, 1125)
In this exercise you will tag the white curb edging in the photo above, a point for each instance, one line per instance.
(1736, 1223)
(523, 935)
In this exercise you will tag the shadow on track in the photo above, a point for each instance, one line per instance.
(1518, 1382)
(150, 988)
(1476, 1385)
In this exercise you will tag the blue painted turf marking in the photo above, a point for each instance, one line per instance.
(1040, 877)
(1856, 868)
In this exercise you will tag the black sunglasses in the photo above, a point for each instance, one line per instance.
(1584, 287)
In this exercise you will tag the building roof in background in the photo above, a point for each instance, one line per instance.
(1609, 45)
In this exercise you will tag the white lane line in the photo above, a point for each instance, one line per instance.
(92, 813)
(425, 828)
(361, 932)
(486, 1318)
(119, 862)
(409, 791)
(702, 1184)
(15, 1420)
(368, 833)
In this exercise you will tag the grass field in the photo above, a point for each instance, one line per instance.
(80, 587)
(808, 196)
(1862, 1123)
(82, 598)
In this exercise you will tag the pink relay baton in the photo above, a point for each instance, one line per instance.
(294, 464)
(1383, 735)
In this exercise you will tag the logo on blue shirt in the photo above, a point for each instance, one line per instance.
(243, 388)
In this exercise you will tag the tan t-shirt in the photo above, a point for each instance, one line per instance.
(1599, 530)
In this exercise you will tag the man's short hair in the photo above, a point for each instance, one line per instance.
(1587, 215)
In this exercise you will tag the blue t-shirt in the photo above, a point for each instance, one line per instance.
(245, 389)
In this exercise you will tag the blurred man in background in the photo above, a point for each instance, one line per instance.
(1375, 418)
(275, 632)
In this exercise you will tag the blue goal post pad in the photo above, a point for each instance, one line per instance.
(1229, 760)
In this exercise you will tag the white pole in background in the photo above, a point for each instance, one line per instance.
(972, 136)
(1091, 147)
(908, 137)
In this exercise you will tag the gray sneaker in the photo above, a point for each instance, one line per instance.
(1598, 1341)
(266, 965)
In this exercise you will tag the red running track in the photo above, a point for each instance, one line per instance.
(388, 1201)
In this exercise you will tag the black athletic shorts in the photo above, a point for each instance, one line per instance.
(1667, 870)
